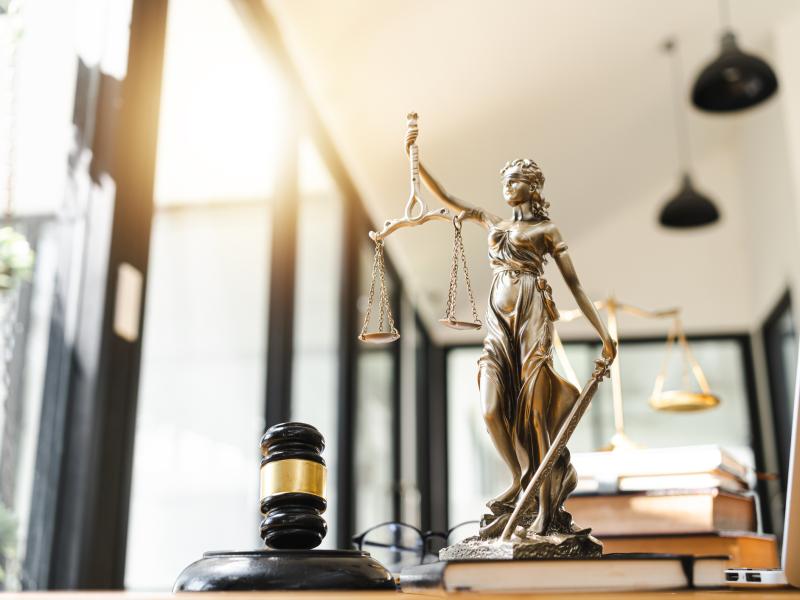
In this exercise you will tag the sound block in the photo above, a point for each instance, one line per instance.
(284, 570)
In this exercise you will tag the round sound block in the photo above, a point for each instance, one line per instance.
(284, 570)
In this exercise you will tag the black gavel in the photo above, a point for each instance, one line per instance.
(293, 475)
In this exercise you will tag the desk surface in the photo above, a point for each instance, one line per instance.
(677, 595)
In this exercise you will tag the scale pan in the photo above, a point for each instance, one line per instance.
(460, 324)
(681, 401)
(379, 337)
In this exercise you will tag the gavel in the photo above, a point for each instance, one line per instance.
(292, 502)
(293, 475)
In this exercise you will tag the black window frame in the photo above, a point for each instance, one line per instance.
(781, 401)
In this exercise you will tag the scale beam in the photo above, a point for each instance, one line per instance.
(393, 225)
(570, 315)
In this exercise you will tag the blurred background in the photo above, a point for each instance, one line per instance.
(197, 180)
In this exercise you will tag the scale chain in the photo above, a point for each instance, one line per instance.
(475, 318)
(452, 295)
(450, 310)
(382, 292)
(371, 298)
(386, 310)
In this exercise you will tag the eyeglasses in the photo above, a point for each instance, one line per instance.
(396, 545)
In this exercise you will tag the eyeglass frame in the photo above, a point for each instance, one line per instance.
(425, 536)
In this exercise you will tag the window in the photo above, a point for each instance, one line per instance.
(201, 408)
(26, 312)
(780, 345)
(722, 359)
(36, 103)
(315, 364)
(376, 398)
(201, 397)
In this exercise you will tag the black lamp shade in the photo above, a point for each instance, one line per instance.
(734, 80)
(688, 208)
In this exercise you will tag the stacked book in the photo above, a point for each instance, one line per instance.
(668, 518)
(695, 500)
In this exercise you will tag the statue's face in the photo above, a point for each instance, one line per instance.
(516, 191)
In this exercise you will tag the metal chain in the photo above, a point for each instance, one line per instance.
(459, 254)
(375, 262)
(475, 318)
(382, 290)
(450, 310)
(385, 310)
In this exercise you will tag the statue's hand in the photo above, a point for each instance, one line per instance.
(411, 138)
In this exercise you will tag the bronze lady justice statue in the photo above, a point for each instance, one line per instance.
(524, 401)
(529, 410)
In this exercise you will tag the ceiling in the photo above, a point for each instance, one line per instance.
(578, 85)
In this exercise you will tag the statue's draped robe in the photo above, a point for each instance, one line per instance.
(517, 354)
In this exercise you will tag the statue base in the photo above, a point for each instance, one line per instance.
(556, 545)
(284, 570)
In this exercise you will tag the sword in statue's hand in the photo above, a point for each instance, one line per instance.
(557, 446)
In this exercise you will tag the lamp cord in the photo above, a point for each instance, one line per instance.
(681, 129)
(725, 14)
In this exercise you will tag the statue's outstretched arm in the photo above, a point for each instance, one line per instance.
(564, 262)
(462, 209)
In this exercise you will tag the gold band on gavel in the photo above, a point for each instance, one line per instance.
(293, 475)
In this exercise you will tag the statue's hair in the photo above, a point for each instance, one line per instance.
(533, 174)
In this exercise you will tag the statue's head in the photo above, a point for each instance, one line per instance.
(522, 183)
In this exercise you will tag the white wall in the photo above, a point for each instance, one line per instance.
(706, 272)
(771, 208)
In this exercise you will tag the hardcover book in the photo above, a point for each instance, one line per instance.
(658, 512)
(609, 573)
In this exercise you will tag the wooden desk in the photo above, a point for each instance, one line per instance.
(678, 595)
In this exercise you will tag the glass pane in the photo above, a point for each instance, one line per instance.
(411, 346)
(375, 378)
(726, 425)
(316, 313)
(222, 109)
(201, 399)
(722, 362)
(784, 329)
(25, 312)
(373, 449)
(475, 470)
(38, 70)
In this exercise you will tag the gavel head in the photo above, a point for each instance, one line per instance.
(293, 487)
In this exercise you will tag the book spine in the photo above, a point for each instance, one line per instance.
(427, 580)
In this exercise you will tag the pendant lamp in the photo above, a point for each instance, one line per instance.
(734, 80)
(688, 207)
